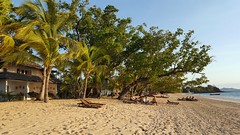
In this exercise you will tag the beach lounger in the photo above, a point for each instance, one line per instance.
(162, 96)
(85, 104)
(89, 102)
(130, 101)
(173, 103)
(187, 99)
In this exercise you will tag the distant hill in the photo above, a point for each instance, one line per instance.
(229, 89)
(200, 89)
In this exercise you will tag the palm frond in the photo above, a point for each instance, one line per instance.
(32, 10)
(18, 57)
(82, 65)
(26, 33)
(6, 44)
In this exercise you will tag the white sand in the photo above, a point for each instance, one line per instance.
(64, 117)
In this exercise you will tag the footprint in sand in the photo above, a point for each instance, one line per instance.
(4, 133)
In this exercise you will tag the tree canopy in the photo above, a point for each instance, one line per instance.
(94, 48)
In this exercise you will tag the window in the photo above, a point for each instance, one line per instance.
(21, 71)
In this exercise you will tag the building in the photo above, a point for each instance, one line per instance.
(23, 79)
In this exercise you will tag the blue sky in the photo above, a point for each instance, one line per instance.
(215, 22)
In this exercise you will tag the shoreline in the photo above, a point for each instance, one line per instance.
(222, 99)
(205, 116)
(219, 98)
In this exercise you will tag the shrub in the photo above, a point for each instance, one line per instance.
(11, 97)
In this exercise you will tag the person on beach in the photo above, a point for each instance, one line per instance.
(133, 98)
(145, 100)
(154, 101)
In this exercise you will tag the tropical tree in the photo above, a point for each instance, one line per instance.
(6, 41)
(71, 83)
(5, 10)
(41, 30)
(101, 29)
(90, 60)
(143, 55)
(165, 55)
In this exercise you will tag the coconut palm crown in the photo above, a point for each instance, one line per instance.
(41, 30)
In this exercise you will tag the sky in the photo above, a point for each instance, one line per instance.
(215, 23)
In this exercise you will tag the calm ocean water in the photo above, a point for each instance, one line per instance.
(233, 96)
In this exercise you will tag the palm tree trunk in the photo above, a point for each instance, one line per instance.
(41, 95)
(46, 99)
(100, 91)
(85, 85)
(78, 88)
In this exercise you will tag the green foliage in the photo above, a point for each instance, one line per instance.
(99, 46)
(197, 81)
(104, 35)
(5, 10)
(40, 29)
(71, 83)
(89, 60)
(9, 96)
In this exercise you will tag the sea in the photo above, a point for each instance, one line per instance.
(231, 95)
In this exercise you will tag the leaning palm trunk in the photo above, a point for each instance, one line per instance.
(77, 88)
(85, 85)
(41, 96)
(100, 91)
(47, 85)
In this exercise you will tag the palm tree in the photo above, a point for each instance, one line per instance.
(6, 41)
(40, 30)
(6, 44)
(5, 9)
(90, 60)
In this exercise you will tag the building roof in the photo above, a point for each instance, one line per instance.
(22, 77)
(34, 65)
(16, 76)
(27, 64)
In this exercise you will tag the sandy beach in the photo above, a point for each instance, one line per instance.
(206, 116)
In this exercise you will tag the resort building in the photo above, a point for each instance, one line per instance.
(23, 79)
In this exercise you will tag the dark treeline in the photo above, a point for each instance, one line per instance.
(201, 89)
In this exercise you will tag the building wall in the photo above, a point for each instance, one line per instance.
(35, 86)
(16, 87)
(2, 86)
(11, 69)
(53, 89)
(37, 72)
(23, 70)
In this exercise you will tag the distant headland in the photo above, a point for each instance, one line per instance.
(201, 89)
(229, 89)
